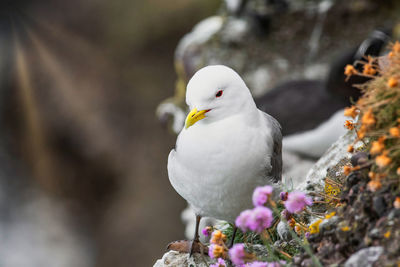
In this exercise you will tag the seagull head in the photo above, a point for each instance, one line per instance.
(215, 93)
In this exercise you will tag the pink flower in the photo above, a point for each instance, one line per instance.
(255, 220)
(242, 219)
(283, 196)
(260, 219)
(206, 231)
(265, 264)
(297, 201)
(257, 264)
(219, 263)
(260, 195)
(237, 254)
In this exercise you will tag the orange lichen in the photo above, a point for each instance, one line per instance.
(387, 234)
(351, 112)
(330, 215)
(392, 82)
(345, 228)
(314, 227)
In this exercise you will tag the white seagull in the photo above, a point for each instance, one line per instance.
(226, 149)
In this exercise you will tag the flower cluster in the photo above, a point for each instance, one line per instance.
(256, 220)
(297, 201)
(378, 123)
(217, 248)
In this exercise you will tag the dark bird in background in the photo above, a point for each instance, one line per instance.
(304, 104)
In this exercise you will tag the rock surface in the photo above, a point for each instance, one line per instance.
(364, 257)
(174, 258)
(336, 153)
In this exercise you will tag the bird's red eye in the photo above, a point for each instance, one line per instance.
(219, 93)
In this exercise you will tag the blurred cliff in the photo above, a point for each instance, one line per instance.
(83, 176)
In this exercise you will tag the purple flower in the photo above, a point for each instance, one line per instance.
(255, 220)
(258, 264)
(211, 251)
(297, 201)
(276, 264)
(260, 219)
(260, 195)
(219, 263)
(237, 254)
(264, 264)
(206, 231)
(242, 220)
(283, 196)
(307, 235)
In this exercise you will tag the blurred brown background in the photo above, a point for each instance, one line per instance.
(84, 180)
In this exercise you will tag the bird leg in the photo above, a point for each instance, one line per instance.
(196, 235)
(233, 237)
(194, 246)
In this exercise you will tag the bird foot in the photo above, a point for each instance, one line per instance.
(188, 246)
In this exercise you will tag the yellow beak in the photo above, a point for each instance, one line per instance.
(194, 116)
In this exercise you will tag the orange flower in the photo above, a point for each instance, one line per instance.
(292, 223)
(346, 170)
(361, 132)
(396, 47)
(350, 149)
(378, 146)
(374, 185)
(350, 70)
(394, 131)
(396, 203)
(351, 112)
(218, 251)
(383, 160)
(349, 125)
(369, 70)
(390, 55)
(217, 237)
(398, 171)
(368, 118)
(392, 82)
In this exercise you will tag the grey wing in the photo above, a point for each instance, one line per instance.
(276, 160)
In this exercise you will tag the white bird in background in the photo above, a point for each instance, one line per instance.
(226, 149)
